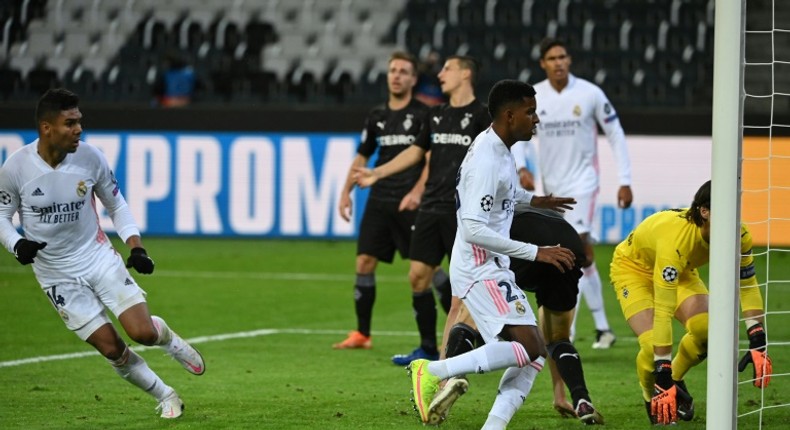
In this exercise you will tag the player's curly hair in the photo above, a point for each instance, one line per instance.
(505, 92)
(53, 102)
(701, 200)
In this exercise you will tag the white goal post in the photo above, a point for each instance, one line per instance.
(728, 96)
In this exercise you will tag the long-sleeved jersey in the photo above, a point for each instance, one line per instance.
(486, 194)
(669, 248)
(57, 206)
(567, 134)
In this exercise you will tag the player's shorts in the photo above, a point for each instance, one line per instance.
(581, 217)
(495, 303)
(384, 229)
(553, 289)
(81, 303)
(433, 237)
(634, 287)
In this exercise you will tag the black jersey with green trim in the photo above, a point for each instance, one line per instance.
(449, 133)
(392, 131)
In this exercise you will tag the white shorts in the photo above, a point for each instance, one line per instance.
(581, 217)
(495, 303)
(81, 304)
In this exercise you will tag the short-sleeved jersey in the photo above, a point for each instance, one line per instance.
(392, 131)
(448, 135)
(57, 206)
(567, 134)
(487, 191)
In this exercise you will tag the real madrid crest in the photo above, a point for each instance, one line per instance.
(520, 308)
(577, 111)
(63, 315)
(82, 189)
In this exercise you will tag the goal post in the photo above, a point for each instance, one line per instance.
(728, 95)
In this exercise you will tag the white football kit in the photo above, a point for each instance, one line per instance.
(486, 194)
(567, 134)
(79, 270)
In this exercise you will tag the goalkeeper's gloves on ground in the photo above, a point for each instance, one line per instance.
(758, 356)
(141, 262)
(25, 250)
(664, 405)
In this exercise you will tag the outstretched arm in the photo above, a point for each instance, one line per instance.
(366, 177)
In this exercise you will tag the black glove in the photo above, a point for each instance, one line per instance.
(663, 374)
(141, 262)
(25, 250)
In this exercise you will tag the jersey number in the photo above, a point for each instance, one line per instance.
(509, 292)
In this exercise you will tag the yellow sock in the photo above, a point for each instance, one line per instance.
(644, 364)
(693, 346)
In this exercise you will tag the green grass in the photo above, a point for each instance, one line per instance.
(292, 379)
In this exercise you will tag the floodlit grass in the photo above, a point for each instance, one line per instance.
(290, 378)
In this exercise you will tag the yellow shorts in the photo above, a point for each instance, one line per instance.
(634, 287)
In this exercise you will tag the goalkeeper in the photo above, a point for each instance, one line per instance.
(654, 274)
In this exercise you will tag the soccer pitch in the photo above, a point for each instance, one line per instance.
(265, 313)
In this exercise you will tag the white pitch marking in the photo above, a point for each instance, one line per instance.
(196, 340)
(280, 276)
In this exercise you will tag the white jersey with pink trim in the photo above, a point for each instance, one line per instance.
(567, 134)
(486, 195)
(58, 206)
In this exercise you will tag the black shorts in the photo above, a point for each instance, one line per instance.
(384, 229)
(553, 289)
(432, 238)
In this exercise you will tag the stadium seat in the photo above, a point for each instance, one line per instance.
(40, 79)
(10, 82)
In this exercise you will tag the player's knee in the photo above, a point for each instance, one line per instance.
(697, 325)
(419, 283)
(557, 349)
(462, 338)
(144, 335)
(536, 350)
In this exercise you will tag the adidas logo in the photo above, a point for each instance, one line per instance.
(128, 282)
(38, 192)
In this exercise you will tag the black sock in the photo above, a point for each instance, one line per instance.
(441, 283)
(569, 365)
(364, 297)
(460, 340)
(425, 313)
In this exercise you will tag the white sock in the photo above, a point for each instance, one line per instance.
(514, 387)
(134, 369)
(165, 334)
(494, 423)
(491, 356)
(593, 295)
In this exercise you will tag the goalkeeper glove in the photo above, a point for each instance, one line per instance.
(758, 356)
(663, 405)
(25, 250)
(141, 262)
